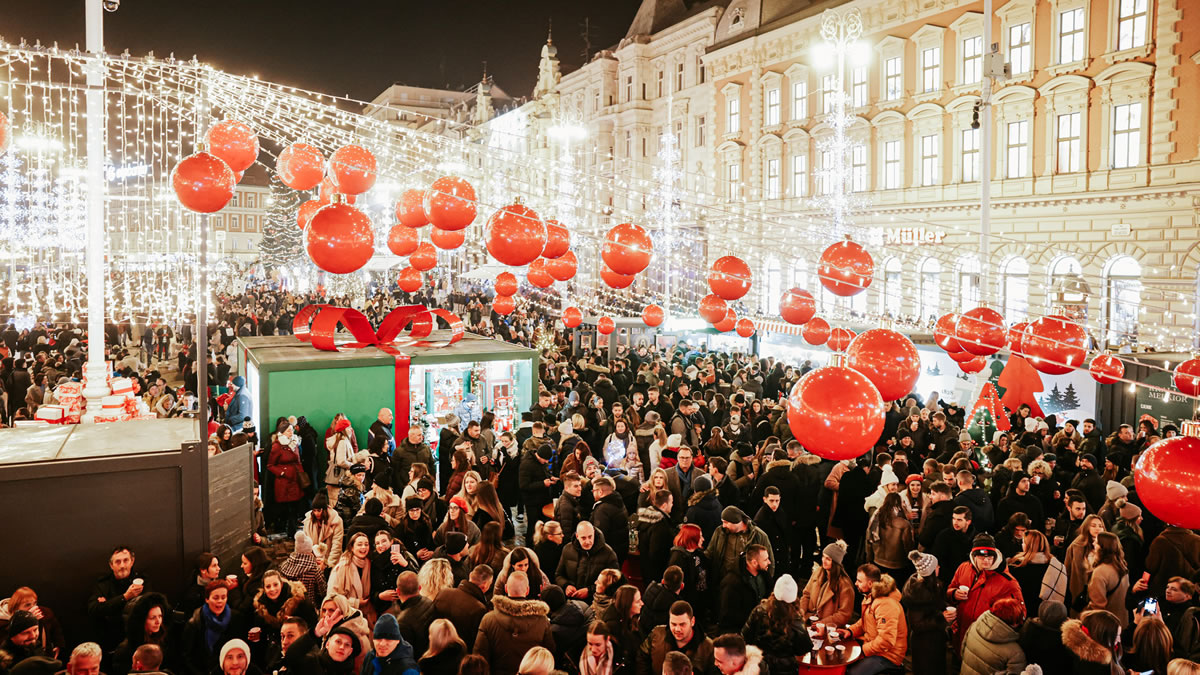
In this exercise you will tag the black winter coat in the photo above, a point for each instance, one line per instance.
(704, 510)
(656, 534)
(940, 517)
(610, 517)
(579, 568)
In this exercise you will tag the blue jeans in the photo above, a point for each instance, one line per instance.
(872, 665)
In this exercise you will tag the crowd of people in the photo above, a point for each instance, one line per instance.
(651, 513)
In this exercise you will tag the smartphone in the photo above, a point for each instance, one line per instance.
(1150, 605)
(395, 548)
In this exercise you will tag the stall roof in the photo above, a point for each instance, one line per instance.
(288, 353)
(80, 441)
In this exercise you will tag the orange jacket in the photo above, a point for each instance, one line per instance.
(883, 628)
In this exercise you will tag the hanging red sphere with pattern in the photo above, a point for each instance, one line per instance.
(1187, 377)
(538, 275)
(563, 268)
(745, 327)
(835, 412)
(713, 308)
(1167, 481)
(944, 331)
(974, 364)
(447, 240)
(306, 211)
(402, 240)
(729, 277)
(410, 209)
(300, 166)
(606, 325)
(515, 235)
(558, 240)
(235, 143)
(846, 268)
(339, 239)
(1055, 345)
(1015, 335)
(653, 316)
(627, 249)
(572, 317)
(424, 258)
(203, 182)
(450, 203)
(815, 331)
(409, 280)
(503, 304)
(728, 323)
(614, 280)
(352, 168)
(839, 339)
(506, 283)
(888, 359)
(1107, 369)
(797, 306)
(980, 331)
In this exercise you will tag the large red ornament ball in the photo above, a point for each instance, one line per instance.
(5, 133)
(339, 239)
(234, 142)
(1187, 377)
(450, 203)
(653, 316)
(558, 240)
(572, 317)
(410, 209)
(627, 249)
(944, 331)
(713, 308)
(563, 268)
(506, 283)
(835, 412)
(980, 331)
(203, 182)
(1016, 334)
(300, 166)
(745, 327)
(728, 323)
(729, 277)
(615, 280)
(447, 240)
(1168, 480)
(1107, 369)
(503, 304)
(424, 258)
(973, 365)
(839, 339)
(961, 357)
(888, 359)
(515, 235)
(306, 211)
(846, 268)
(606, 325)
(1055, 345)
(797, 306)
(538, 275)
(353, 169)
(402, 240)
(816, 331)
(409, 280)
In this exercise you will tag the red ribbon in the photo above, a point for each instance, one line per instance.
(318, 324)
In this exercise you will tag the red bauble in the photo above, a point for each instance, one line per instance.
(327, 190)
(300, 166)
(563, 268)
(5, 133)
(1107, 369)
(306, 211)
(424, 258)
(339, 239)
(980, 331)
(203, 182)
(839, 339)
(238, 175)
(944, 330)
(627, 249)
(615, 280)
(450, 203)
(503, 304)
(1055, 345)
(234, 142)
(410, 210)
(506, 283)
(835, 412)
(653, 316)
(816, 331)
(1168, 482)
(728, 322)
(745, 327)
(797, 306)
(402, 240)
(961, 357)
(1016, 334)
(538, 275)
(1187, 377)
(713, 308)
(846, 268)
(888, 359)
(515, 235)
(558, 240)
(973, 364)
(352, 168)
(729, 277)
(572, 317)
(606, 325)
(447, 240)
(409, 280)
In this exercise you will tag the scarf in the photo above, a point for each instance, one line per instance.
(590, 665)
(214, 625)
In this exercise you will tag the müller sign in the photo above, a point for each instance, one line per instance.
(911, 236)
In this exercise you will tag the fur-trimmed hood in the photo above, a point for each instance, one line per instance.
(511, 607)
(884, 587)
(650, 515)
(753, 665)
(807, 459)
(1082, 645)
(287, 606)
(697, 497)
(645, 429)
(778, 463)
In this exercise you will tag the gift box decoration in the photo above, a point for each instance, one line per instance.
(55, 414)
(122, 386)
(112, 404)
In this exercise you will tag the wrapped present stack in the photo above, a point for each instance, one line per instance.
(122, 405)
(69, 396)
(54, 414)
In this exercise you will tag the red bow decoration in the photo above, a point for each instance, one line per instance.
(318, 324)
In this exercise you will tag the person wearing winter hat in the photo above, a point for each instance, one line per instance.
(786, 589)
(990, 645)
(392, 653)
(979, 583)
(24, 639)
(235, 658)
(829, 593)
(1109, 511)
(924, 600)
(304, 566)
(925, 564)
(729, 541)
(889, 482)
(1020, 499)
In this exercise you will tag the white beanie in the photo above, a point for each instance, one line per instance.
(889, 476)
(1031, 424)
(304, 543)
(786, 589)
(674, 441)
(232, 645)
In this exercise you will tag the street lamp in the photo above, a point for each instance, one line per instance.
(841, 31)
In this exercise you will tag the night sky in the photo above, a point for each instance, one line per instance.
(354, 47)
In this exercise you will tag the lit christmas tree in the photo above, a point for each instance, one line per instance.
(282, 242)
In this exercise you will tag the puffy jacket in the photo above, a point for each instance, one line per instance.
(725, 548)
(830, 605)
(780, 646)
(610, 517)
(655, 537)
(986, 587)
(882, 627)
(991, 646)
(579, 568)
(407, 454)
(511, 629)
(660, 641)
(704, 510)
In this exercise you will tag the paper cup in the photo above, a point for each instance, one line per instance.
(138, 582)
(231, 578)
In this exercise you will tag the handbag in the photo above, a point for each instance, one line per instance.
(303, 479)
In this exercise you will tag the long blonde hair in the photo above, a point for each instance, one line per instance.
(442, 634)
(434, 577)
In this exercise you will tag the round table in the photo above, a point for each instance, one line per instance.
(818, 661)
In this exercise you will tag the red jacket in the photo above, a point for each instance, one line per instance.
(987, 586)
(284, 464)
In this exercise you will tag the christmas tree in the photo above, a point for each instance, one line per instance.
(1054, 402)
(1070, 400)
(1021, 384)
(282, 242)
(987, 416)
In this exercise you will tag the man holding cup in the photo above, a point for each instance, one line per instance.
(883, 627)
(978, 583)
(106, 605)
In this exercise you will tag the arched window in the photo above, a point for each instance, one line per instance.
(1063, 271)
(891, 297)
(968, 284)
(929, 300)
(774, 287)
(800, 275)
(1122, 299)
(1015, 276)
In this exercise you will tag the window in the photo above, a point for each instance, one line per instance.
(1020, 49)
(1123, 299)
(699, 130)
(1127, 135)
(733, 177)
(968, 284)
(596, 100)
(628, 143)
(970, 155)
(824, 179)
(1065, 273)
(972, 50)
(929, 299)
(774, 286)
(733, 117)
(799, 175)
(679, 76)
(929, 159)
(931, 69)
(1131, 24)
(827, 86)
(702, 72)
(800, 274)
(858, 168)
(893, 288)
(628, 88)
(894, 77)
(660, 77)
(1017, 143)
(1015, 275)
(773, 106)
(799, 100)
(1070, 143)
(891, 165)
(1070, 35)
(858, 87)
(772, 191)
